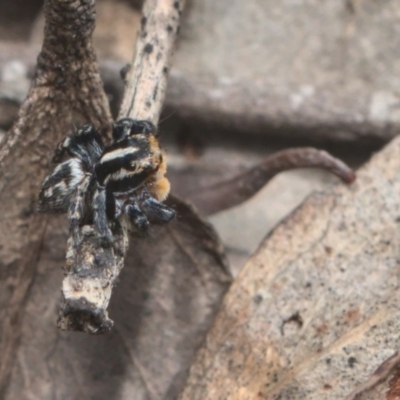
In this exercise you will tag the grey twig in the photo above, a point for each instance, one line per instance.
(146, 79)
(240, 188)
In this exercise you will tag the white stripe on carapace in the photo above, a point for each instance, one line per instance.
(120, 175)
(112, 155)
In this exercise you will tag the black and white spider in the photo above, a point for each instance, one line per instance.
(98, 184)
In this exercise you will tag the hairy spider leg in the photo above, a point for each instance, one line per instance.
(85, 144)
(58, 188)
(100, 219)
(77, 209)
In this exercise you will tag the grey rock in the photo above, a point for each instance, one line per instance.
(316, 70)
(296, 68)
(14, 81)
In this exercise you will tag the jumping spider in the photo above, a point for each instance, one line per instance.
(99, 184)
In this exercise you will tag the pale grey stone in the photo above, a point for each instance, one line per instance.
(307, 68)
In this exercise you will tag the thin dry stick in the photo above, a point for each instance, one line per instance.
(147, 78)
(240, 188)
(93, 268)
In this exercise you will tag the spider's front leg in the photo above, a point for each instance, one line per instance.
(77, 209)
(84, 144)
(100, 217)
(58, 188)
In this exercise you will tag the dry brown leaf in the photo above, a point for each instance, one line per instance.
(162, 306)
(382, 378)
(315, 312)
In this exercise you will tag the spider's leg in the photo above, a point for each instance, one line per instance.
(137, 217)
(84, 144)
(111, 206)
(100, 218)
(73, 146)
(60, 150)
(157, 212)
(76, 210)
(59, 187)
(91, 140)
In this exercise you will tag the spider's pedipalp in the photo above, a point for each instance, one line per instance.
(59, 187)
(137, 217)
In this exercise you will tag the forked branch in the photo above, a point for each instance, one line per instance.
(93, 267)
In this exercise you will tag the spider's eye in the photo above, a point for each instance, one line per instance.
(128, 127)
